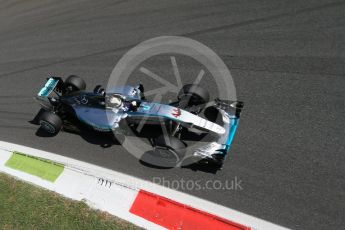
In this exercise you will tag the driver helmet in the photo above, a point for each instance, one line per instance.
(115, 101)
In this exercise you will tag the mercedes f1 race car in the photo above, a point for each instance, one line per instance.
(66, 105)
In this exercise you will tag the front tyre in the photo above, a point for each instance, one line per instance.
(50, 122)
(168, 151)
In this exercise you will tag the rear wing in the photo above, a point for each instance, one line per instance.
(51, 84)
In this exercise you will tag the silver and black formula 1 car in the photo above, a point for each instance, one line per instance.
(66, 105)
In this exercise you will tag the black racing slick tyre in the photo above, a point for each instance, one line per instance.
(50, 122)
(74, 83)
(170, 150)
(193, 94)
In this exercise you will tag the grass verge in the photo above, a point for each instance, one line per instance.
(24, 206)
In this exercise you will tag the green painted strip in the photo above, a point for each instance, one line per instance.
(45, 169)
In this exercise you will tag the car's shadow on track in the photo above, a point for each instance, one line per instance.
(148, 160)
(202, 168)
(106, 140)
(103, 140)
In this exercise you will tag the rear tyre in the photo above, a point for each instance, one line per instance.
(192, 94)
(50, 122)
(74, 83)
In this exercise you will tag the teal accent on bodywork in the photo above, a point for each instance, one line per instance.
(146, 107)
(48, 87)
(233, 127)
